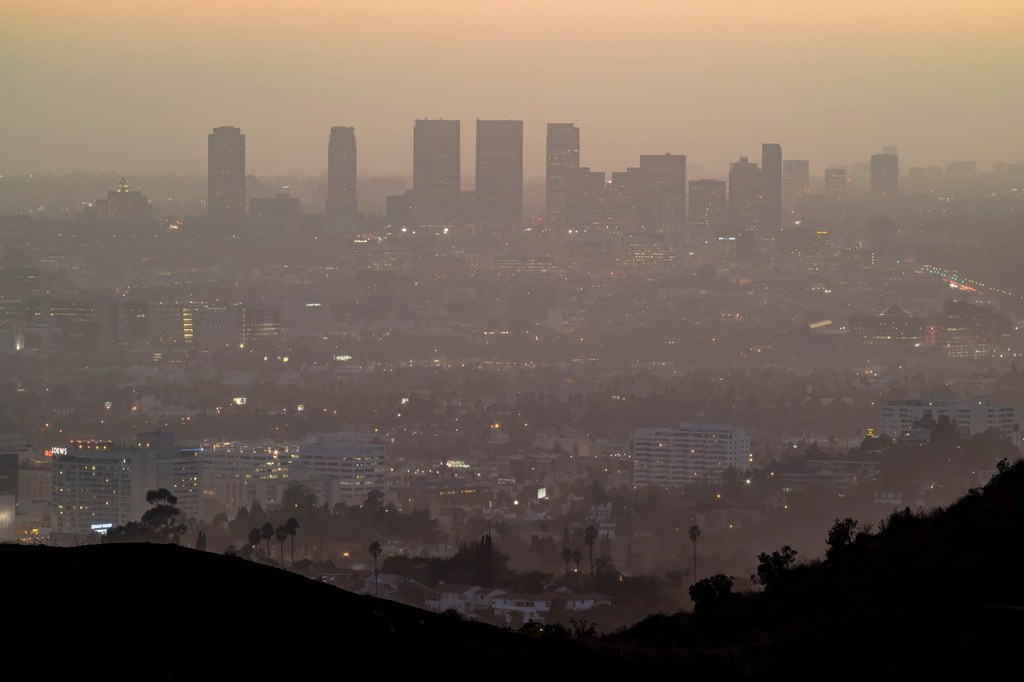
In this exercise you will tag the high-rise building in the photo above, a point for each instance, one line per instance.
(708, 207)
(562, 164)
(436, 179)
(796, 181)
(745, 195)
(885, 175)
(342, 206)
(100, 484)
(661, 195)
(691, 454)
(835, 183)
(771, 179)
(226, 173)
(499, 177)
(354, 463)
(123, 204)
(280, 212)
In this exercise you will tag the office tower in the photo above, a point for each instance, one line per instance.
(123, 204)
(100, 484)
(278, 213)
(436, 180)
(562, 162)
(771, 178)
(342, 206)
(499, 177)
(584, 200)
(708, 207)
(796, 181)
(745, 195)
(691, 454)
(835, 183)
(353, 463)
(662, 193)
(226, 173)
(885, 175)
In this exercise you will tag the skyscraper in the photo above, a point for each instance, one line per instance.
(342, 207)
(771, 177)
(745, 195)
(226, 173)
(835, 183)
(436, 179)
(796, 180)
(708, 207)
(662, 193)
(562, 163)
(885, 175)
(499, 176)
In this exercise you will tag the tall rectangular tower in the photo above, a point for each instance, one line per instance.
(771, 177)
(342, 207)
(708, 207)
(436, 179)
(885, 175)
(226, 173)
(746, 195)
(562, 163)
(499, 177)
(662, 197)
(796, 181)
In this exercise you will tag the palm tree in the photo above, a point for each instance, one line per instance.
(267, 533)
(255, 538)
(694, 534)
(566, 557)
(281, 533)
(375, 551)
(590, 537)
(577, 556)
(292, 525)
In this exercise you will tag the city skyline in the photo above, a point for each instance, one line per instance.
(646, 79)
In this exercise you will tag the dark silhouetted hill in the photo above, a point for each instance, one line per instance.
(931, 596)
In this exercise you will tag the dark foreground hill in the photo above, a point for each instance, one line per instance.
(933, 596)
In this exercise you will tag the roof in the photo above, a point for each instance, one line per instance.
(895, 310)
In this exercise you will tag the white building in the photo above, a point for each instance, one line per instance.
(462, 598)
(355, 463)
(101, 484)
(238, 473)
(972, 415)
(694, 452)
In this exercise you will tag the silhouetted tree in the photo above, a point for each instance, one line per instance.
(711, 591)
(292, 526)
(840, 535)
(201, 541)
(566, 555)
(590, 537)
(281, 533)
(267, 533)
(255, 538)
(694, 534)
(375, 550)
(577, 556)
(773, 566)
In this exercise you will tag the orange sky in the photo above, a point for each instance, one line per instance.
(135, 87)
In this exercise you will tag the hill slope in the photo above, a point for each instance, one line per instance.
(938, 594)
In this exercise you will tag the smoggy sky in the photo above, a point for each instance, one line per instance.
(134, 87)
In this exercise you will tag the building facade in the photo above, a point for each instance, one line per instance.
(695, 452)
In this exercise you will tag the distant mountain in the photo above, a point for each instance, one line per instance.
(929, 596)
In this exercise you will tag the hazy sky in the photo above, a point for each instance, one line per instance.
(134, 87)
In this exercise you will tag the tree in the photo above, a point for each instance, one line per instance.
(375, 550)
(159, 523)
(711, 591)
(201, 541)
(292, 526)
(577, 556)
(590, 537)
(771, 567)
(566, 555)
(255, 538)
(694, 534)
(281, 533)
(840, 535)
(267, 533)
